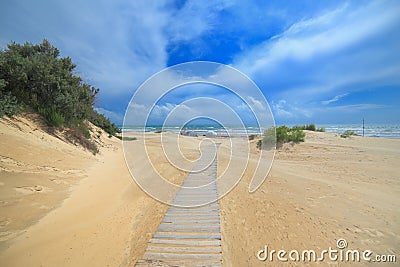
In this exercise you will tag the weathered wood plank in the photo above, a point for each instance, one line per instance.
(204, 236)
(184, 249)
(188, 229)
(175, 263)
(179, 256)
(185, 242)
(190, 220)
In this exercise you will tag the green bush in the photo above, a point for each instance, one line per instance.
(8, 105)
(296, 135)
(308, 127)
(37, 78)
(101, 121)
(280, 135)
(347, 133)
(52, 116)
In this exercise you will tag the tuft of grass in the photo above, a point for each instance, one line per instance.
(79, 133)
(348, 133)
(126, 138)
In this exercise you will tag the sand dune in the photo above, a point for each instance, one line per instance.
(62, 206)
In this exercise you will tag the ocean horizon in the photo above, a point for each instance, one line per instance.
(370, 130)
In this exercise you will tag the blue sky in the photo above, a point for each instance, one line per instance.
(314, 61)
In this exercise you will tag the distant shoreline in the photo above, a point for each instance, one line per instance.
(391, 131)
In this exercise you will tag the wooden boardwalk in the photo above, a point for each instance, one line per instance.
(190, 236)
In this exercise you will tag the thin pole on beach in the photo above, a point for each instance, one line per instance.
(363, 127)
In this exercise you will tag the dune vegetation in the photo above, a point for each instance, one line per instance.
(34, 78)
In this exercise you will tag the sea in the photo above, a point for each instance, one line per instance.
(370, 130)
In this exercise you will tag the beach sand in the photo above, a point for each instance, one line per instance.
(63, 206)
(319, 191)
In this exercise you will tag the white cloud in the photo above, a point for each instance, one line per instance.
(113, 116)
(334, 99)
(327, 33)
(355, 107)
(320, 56)
(257, 104)
(280, 111)
(194, 19)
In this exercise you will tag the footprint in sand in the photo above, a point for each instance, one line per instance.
(373, 232)
(29, 189)
(4, 222)
(7, 235)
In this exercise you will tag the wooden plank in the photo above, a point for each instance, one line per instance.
(197, 229)
(185, 236)
(185, 249)
(203, 201)
(194, 214)
(191, 220)
(190, 225)
(197, 212)
(171, 263)
(201, 208)
(183, 218)
(185, 242)
(178, 256)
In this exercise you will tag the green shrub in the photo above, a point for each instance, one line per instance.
(296, 135)
(104, 123)
(322, 129)
(52, 116)
(308, 127)
(38, 78)
(347, 133)
(280, 135)
(8, 105)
